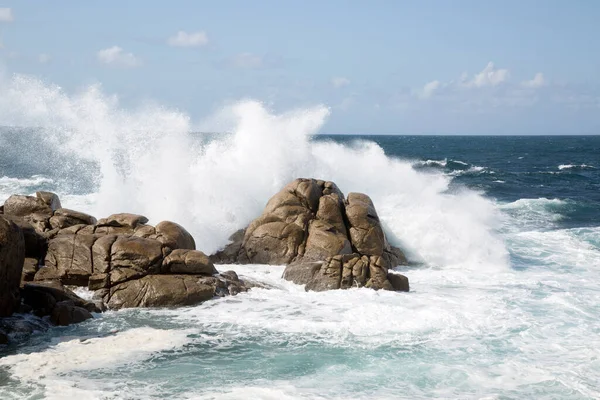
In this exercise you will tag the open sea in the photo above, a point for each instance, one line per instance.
(503, 234)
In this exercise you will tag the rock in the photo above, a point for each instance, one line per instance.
(278, 236)
(378, 271)
(174, 236)
(181, 261)
(123, 220)
(20, 327)
(22, 206)
(35, 243)
(50, 199)
(160, 291)
(365, 229)
(67, 313)
(44, 296)
(302, 273)
(340, 272)
(102, 252)
(99, 281)
(30, 267)
(12, 256)
(64, 218)
(133, 258)
(230, 275)
(231, 254)
(69, 259)
(325, 241)
(399, 282)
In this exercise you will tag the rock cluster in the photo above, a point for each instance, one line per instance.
(327, 241)
(125, 261)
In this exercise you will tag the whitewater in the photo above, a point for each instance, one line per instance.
(504, 299)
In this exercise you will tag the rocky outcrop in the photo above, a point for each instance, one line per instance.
(327, 241)
(43, 298)
(43, 305)
(126, 261)
(12, 256)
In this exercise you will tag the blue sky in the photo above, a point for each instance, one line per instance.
(382, 66)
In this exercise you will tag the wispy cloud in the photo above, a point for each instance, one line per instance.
(537, 81)
(116, 56)
(185, 39)
(6, 15)
(339, 81)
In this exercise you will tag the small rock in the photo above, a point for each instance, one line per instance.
(67, 313)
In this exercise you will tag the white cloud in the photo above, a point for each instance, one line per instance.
(430, 88)
(44, 58)
(6, 15)
(490, 76)
(117, 57)
(247, 60)
(339, 82)
(537, 81)
(184, 39)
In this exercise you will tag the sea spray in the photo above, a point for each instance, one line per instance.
(147, 161)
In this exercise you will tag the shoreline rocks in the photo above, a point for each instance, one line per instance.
(327, 242)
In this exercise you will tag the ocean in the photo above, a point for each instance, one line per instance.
(503, 234)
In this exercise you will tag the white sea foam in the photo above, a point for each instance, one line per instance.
(475, 169)
(433, 163)
(575, 166)
(527, 214)
(150, 164)
(59, 371)
(11, 185)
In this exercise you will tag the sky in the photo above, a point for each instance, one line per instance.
(381, 66)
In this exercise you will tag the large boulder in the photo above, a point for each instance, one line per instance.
(174, 236)
(126, 262)
(326, 241)
(43, 297)
(193, 262)
(64, 218)
(23, 206)
(159, 291)
(35, 243)
(69, 259)
(12, 256)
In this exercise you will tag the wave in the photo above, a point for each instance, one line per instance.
(574, 167)
(432, 163)
(540, 213)
(561, 249)
(13, 185)
(145, 161)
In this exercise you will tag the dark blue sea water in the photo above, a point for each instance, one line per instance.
(503, 234)
(509, 168)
